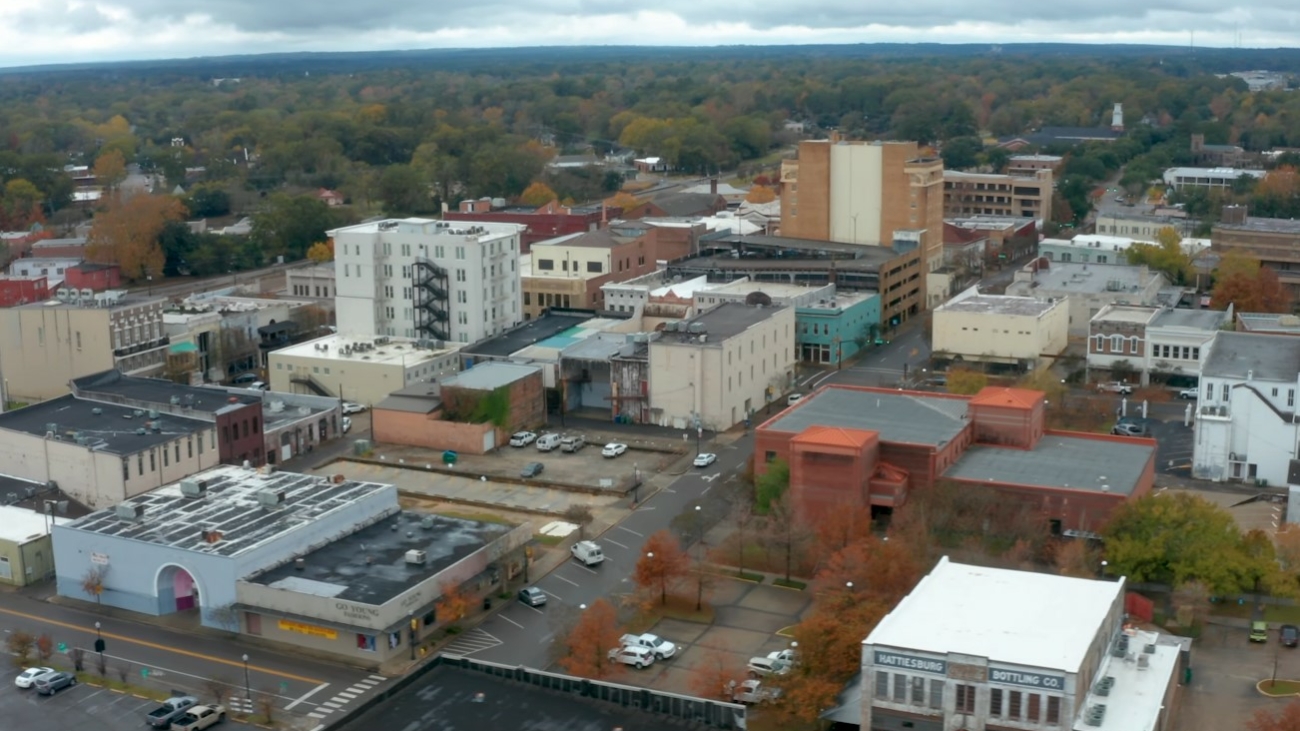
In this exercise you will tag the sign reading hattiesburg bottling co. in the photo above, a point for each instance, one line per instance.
(996, 675)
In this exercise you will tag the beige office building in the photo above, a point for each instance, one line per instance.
(989, 194)
(870, 193)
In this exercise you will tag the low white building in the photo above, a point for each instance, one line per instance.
(1087, 287)
(989, 328)
(973, 648)
(1153, 339)
(718, 368)
(1177, 178)
(1246, 423)
(364, 370)
(1101, 249)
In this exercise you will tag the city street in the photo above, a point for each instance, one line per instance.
(168, 659)
(522, 635)
(882, 365)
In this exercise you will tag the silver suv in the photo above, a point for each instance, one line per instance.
(572, 442)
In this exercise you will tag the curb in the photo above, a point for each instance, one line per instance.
(1259, 687)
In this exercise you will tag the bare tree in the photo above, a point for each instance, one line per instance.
(266, 706)
(19, 644)
(581, 516)
(785, 532)
(742, 517)
(123, 671)
(101, 665)
(44, 647)
(92, 582)
(78, 657)
(219, 688)
(226, 615)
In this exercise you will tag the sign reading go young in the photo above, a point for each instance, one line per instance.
(911, 662)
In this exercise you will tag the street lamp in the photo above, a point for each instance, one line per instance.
(99, 646)
(636, 483)
(248, 687)
(1104, 564)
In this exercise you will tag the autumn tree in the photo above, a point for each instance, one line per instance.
(711, 674)
(835, 530)
(771, 485)
(587, 645)
(321, 252)
(786, 532)
(20, 644)
(876, 568)
(453, 604)
(742, 519)
(127, 234)
(1074, 558)
(288, 225)
(1167, 256)
(110, 169)
(92, 581)
(538, 194)
(20, 205)
(1242, 282)
(1287, 719)
(662, 565)
(1044, 380)
(625, 201)
(760, 194)
(967, 381)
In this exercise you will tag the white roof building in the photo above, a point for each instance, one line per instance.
(987, 646)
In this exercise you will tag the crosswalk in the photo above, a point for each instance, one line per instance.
(343, 697)
(241, 705)
(476, 640)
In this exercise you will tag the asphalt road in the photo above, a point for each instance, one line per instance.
(179, 661)
(883, 365)
(523, 635)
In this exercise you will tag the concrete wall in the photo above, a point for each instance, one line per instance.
(805, 199)
(855, 193)
(352, 378)
(1000, 337)
(430, 432)
(39, 351)
(28, 561)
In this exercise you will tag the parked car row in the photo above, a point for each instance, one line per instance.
(46, 681)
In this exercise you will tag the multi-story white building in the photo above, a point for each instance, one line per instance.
(363, 370)
(421, 278)
(974, 647)
(1246, 423)
(991, 328)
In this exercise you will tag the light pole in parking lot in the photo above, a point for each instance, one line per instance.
(248, 687)
(99, 646)
(636, 483)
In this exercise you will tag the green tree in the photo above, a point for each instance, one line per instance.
(288, 225)
(1166, 256)
(402, 190)
(961, 153)
(207, 200)
(1175, 538)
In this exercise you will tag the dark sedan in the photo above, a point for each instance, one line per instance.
(1289, 635)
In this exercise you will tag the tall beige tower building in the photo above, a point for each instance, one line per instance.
(869, 193)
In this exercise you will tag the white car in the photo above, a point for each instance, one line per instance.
(706, 459)
(352, 408)
(522, 439)
(1189, 393)
(259, 386)
(793, 399)
(765, 666)
(637, 657)
(347, 424)
(613, 449)
(27, 677)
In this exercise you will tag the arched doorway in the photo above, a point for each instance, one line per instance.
(177, 590)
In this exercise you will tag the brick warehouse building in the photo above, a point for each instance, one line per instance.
(870, 447)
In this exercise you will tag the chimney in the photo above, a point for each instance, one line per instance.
(713, 186)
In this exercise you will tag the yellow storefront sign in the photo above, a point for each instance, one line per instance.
(309, 629)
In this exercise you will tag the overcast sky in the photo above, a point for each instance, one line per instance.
(58, 31)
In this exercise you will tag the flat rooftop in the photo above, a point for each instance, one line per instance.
(685, 288)
(775, 290)
(20, 525)
(726, 320)
(397, 351)
(490, 375)
(370, 567)
(1252, 321)
(1136, 700)
(232, 508)
(1126, 314)
(113, 385)
(601, 239)
(1091, 278)
(99, 303)
(533, 331)
(905, 417)
(447, 698)
(1265, 225)
(876, 254)
(973, 610)
(841, 301)
(486, 230)
(1193, 319)
(1089, 463)
(231, 303)
(1242, 355)
(998, 304)
(113, 429)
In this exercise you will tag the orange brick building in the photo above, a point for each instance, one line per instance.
(870, 447)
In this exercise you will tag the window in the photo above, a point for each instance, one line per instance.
(995, 701)
(882, 685)
(965, 699)
(366, 642)
(1117, 343)
(918, 691)
(189, 448)
(1133, 344)
(166, 459)
(1013, 705)
(153, 462)
(1209, 390)
(1225, 392)
(936, 693)
(1290, 397)
(139, 463)
(594, 267)
(900, 688)
(1053, 710)
(1275, 392)
(1098, 343)
(178, 452)
(1035, 707)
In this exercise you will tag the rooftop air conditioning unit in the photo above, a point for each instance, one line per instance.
(415, 556)
(269, 498)
(129, 511)
(193, 488)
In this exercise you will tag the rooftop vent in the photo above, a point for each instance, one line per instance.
(299, 564)
(210, 535)
(1095, 715)
(415, 556)
(129, 511)
(269, 498)
(194, 488)
(1104, 685)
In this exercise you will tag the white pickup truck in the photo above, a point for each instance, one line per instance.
(663, 649)
(197, 718)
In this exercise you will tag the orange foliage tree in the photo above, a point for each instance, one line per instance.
(127, 234)
(453, 604)
(321, 251)
(712, 672)
(840, 528)
(589, 642)
(623, 200)
(663, 564)
(110, 169)
(537, 194)
(1257, 292)
(760, 194)
(1288, 719)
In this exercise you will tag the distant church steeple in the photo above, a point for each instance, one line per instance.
(1117, 118)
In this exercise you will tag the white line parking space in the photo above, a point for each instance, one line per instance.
(476, 640)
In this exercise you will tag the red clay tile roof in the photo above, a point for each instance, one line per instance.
(1000, 396)
(834, 436)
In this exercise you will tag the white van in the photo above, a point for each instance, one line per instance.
(548, 442)
(587, 552)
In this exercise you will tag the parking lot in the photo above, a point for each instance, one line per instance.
(1225, 668)
(585, 467)
(78, 708)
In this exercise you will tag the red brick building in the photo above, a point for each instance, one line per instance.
(442, 417)
(16, 291)
(93, 276)
(546, 222)
(869, 447)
